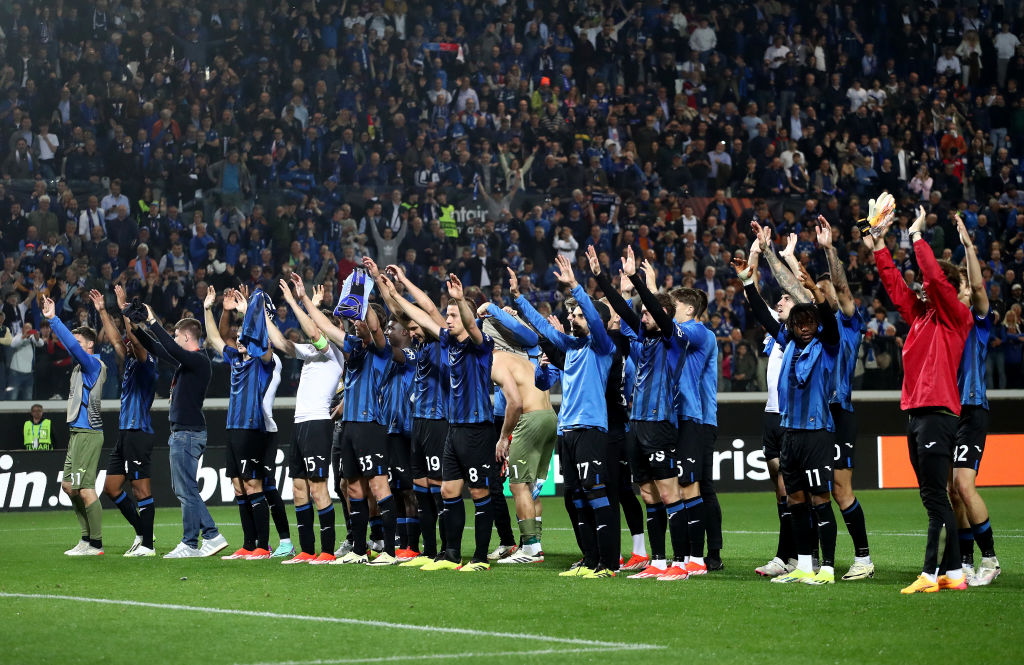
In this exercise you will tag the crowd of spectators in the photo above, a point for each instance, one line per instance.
(172, 144)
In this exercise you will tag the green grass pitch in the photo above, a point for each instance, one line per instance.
(519, 614)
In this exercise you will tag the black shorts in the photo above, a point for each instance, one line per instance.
(690, 452)
(619, 449)
(363, 450)
(771, 438)
(428, 437)
(631, 448)
(846, 436)
(970, 437)
(310, 455)
(656, 449)
(806, 461)
(469, 455)
(585, 456)
(131, 456)
(269, 459)
(399, 462)
(246, 452)
(570, 483)
(708, 441)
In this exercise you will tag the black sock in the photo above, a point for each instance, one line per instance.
(605, 518)
(96, 542)
(483, 514)
(854, 518)
(803, 533)
(360, 516)
(261, 518)
(442, 518)
(376, 528)
(657, 522)
(127, 508)
(348, 518)
(695, 510)
(631, 510)
(502, 519)
(967, 546)
(277, 511)
(787, 539)
(147, 512)
(248, 526)
(327, 536)
(677, 529)
(573, 506)
(304, 525)
(389, 522)
(402, 522)
(983, 536)
(585, 528)
(412, 525)
(455, 524)
(427, 513)
(828, 528)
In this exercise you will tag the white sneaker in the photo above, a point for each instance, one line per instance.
(141, 551)
(860, 571)
(343, 549)
(987, 572)
(522, 556)
(78, 548)
(375, 546)
(90, 551)
(350, 558)
(135, 544)
(502, 551)
(773, 568)
(969, 574)
(214, 545)
(183, 551)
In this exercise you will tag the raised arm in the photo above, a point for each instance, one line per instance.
(309, 328)
(108, 323)
(780, 272)
(757, 304)
(426, 322)
(376, 332)
(979, 298)
(524, 335)
(615, 298)
(942, 295)
(662, 318)
(788, 254)
(277, 340)
(455, 292)
(422, 300)
(836, 270)
(558, 339)
(213, 337)
(90, 364)
(599, 339)
(138, 349)
(829, 324)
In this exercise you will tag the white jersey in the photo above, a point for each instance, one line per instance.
(321, 372)
(774, 369)
(269, 425)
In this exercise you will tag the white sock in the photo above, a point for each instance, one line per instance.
(827, 569)
(699, 560)
(932, 577)
(639, 547)
(659, 564)
(955, 575)
(804, 563)
(862, 559)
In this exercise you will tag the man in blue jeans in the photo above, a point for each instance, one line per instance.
(188, 429)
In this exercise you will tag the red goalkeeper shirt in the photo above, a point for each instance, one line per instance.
(938, 331)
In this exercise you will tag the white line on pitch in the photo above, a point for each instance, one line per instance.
(458, 656)
(323, 619)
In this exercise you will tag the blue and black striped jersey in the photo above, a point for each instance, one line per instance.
(805, 384)
(851, 332)
(970, 378)
(364, 373)
(250, 379)
(469, 367)
(137, 391)
(709, 387)
(430, 397)
(396, 394)
(653, 387)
